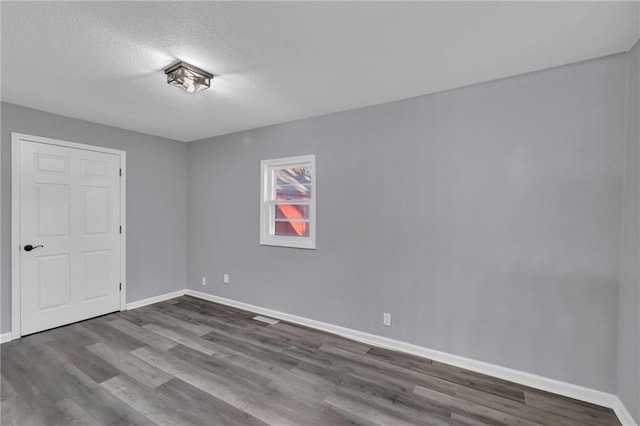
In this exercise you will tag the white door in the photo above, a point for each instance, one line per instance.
(69, 235)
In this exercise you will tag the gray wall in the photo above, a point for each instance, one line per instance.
(629, 332)
(156, 199)
(485, 219)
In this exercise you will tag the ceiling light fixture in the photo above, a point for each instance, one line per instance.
(190, 78)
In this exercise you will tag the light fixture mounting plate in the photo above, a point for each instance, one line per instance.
(182, 64)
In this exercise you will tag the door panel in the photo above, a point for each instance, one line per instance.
(96, 211)
(53, 209)
(69, 204)
(97, 274)
(95, 168)
(54, 277)
(51, 163)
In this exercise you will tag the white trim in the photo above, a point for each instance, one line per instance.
(535, 381)
(5, 337)
(623, 414)
(66, 144)
(154, 299)
(15, 217)
(123, 236)
(15, 236)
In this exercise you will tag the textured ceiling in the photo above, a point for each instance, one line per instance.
(276, 62)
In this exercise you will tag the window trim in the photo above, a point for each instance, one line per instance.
(266, 190)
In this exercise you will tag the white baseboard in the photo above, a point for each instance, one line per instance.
(5, 337)
(535, 381)
(154, 299)
(623, 414)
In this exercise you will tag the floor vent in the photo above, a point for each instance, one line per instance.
(265, 319)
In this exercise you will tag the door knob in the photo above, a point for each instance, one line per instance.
(29, 247)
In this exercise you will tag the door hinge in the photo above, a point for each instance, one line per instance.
(120, 286)
(120, 172)
(121, 229)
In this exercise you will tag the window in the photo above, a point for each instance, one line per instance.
(288, 202)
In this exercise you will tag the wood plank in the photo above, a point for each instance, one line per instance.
(191, 341)
(588, 414)
(452, 374)
(89, 363)
(321, 338)
(37, 378)
(14, 410)
(77, 413)
(236, 391)
(367, 412)
(157, 409)
(471, 410)
(204, 406)
(143, 335)
(512, 407)
(130, 365)
(103, 333)
(172, 322)
(107, 409)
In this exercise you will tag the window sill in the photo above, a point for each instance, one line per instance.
(308, 245)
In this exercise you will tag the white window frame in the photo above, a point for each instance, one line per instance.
(267, 187)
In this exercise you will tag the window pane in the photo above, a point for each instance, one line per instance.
(292, 229)
(292, 211)
(293, 183)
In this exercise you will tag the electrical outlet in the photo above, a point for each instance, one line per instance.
(225, 278)
(204, 280)
(386, 319)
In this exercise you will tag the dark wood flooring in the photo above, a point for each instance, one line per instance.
(188, 361)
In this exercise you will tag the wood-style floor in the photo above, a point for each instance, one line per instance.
(188, 361)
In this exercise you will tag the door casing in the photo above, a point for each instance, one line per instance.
(16, 138)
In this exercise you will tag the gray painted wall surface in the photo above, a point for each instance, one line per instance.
(156, 199)
(629, 332)
(485, 219)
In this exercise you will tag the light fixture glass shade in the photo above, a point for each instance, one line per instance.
(190, 78)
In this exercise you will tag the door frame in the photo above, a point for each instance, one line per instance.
(16, 138)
